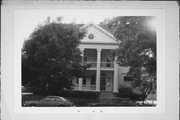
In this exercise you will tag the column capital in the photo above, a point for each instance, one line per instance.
(99, 49)
(115, 60)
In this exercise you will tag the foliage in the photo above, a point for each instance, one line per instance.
(125, 89)
(127, 92)
(137, 48)
(79, 94)
(50, 57)
(128, 27)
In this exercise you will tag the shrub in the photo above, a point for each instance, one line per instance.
(125, 89)
(127, 92)
(23, 89)
(80, 94)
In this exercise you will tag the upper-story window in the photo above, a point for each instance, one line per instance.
(108, 60)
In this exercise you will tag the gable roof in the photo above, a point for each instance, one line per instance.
(101, 29)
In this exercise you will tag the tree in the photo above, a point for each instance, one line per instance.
(137, 49)
(50, 56)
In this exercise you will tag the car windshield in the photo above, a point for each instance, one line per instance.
(47, 99)
(55, 98)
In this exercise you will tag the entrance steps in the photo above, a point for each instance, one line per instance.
(105, 95)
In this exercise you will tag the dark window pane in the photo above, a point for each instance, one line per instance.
(93, 80)
(85, 58)
(108, 62)
(128, 78)
(84, 81)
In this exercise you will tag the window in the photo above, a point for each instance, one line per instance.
(84, 81)
(85, 58)
(108, 60)
(93, 80)
(128, 78)
(47, 99)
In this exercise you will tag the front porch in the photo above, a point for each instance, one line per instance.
(102, 62)
(90, 82)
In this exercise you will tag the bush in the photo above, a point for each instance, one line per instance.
(126, 92)
(23, 89)
(125, 89)
(80, 94)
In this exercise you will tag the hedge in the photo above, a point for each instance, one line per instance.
(126, 92)
(80, 94)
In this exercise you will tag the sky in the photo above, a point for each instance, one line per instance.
(25, 20)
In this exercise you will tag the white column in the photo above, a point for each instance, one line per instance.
(98, 70)
(80, 84)
(80, 79)
(115, 83)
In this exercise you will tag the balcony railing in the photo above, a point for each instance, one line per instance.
(107, 64)
(92, 64)
(102, 64)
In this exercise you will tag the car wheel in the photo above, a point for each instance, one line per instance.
(61, 106)
(32, 105)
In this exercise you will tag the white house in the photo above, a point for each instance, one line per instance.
(104, 74)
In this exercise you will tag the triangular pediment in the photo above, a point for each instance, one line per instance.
(96, 34)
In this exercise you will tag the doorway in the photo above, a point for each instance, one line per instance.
(106, 81)
(103, 84)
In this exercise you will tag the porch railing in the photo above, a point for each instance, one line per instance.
(89, 87)
(85, 87)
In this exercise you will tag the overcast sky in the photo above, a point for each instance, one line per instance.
(25, 20)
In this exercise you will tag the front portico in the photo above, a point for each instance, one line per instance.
(96, 50)
(103, 73)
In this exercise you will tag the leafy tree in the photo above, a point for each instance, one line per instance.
(51, 57)
(137, 48)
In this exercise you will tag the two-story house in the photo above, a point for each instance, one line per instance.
(104, 74)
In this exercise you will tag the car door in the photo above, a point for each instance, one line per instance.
(58, 102)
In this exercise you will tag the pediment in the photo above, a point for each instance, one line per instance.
(96, 34)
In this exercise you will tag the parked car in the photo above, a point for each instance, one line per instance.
(50, 101)
(114, 102)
